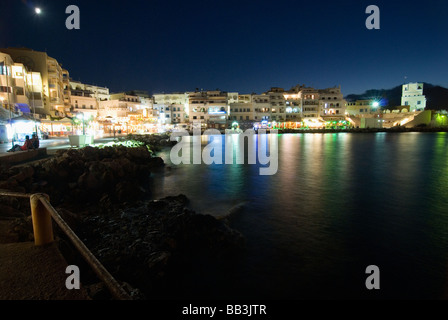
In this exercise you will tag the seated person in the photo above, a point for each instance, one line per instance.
(35, 141)
(26, 146)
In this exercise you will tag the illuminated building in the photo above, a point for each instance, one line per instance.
(20, 89)
(126, 112)
(55, 80)
(171, 108)
(412, 96)
(360, 107)
(332, 103)
(209, 107)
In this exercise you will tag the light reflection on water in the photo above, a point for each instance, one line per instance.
(338, 203)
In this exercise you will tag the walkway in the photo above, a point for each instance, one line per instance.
(28, 272)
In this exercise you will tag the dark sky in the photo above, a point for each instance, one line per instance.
(244, 46)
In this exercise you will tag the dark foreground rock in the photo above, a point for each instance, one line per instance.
(80, 176)
(156, 245)
(160, 248)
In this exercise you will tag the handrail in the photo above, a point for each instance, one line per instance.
(41, 212)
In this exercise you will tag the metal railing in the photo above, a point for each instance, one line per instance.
(42, 213)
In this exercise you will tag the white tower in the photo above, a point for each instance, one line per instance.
(413, 97)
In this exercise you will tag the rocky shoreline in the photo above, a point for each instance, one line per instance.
(102, 193)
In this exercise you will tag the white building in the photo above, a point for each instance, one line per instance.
(210, 107)
(332, 103)
(20, 89)
(412, 96)
(171, 108)
(55, 80)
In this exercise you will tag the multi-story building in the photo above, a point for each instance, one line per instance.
(99, 93)
(125, 112)
(332, 103)
(293, 102)
(278, 104)
(55, 88)
(83, 101)
(412, 96)
(209, 107)
(171, 108)
(242, 111)
(20, 90)
(360, 107)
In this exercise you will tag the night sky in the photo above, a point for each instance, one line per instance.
(244, 46)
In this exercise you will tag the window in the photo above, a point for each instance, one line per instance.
(167, 116)
(406, 103)
(19, 91)
(83, 106)
(202, 117)
(241, 117)
(419, 102)
(195, 117)
(247, 117)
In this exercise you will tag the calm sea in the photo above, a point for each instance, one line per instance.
(338, 203)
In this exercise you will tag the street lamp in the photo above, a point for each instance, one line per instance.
(80, 116)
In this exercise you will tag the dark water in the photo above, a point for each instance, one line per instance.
(338, 203)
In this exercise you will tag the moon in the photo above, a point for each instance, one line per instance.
(38, 10)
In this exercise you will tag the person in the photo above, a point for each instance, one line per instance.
(26, 146)
(35, 141)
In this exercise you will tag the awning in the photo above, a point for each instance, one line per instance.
(23, 107)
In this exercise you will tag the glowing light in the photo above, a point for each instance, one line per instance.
(38, 10)
(375, 104)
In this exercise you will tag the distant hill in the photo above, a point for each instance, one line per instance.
(436, 96)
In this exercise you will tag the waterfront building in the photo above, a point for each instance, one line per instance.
(20, 89)
(293, 102)
(126, 112)
(209, 107)
(361, 107)
(332, 103)
(242, 111)
(262, 107)
(83, 101)
(412, 96)
(55, 80)
(99, 93)
(171, 108)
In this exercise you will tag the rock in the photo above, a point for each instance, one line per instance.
(23, 227)
(98, 291)
(70, 218)
(8, 213)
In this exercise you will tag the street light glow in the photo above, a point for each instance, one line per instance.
(375, 104)
(38, 10)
